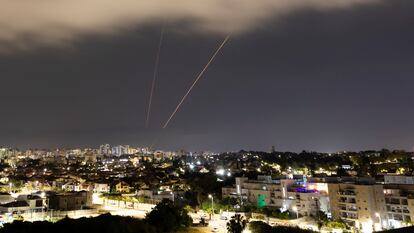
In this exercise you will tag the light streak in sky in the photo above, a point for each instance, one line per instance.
(154, 77)
(196, 80)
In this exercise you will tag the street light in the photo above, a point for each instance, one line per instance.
(172, 193)
(212, 203)
(44, 202)
(295, 209)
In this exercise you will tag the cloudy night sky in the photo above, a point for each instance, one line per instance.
(323, 75)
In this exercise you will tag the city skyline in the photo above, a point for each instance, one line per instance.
(319, 78)
(145, 149)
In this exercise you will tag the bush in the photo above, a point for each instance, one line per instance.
(274, 212)
(336, 224)
(167, 217)
(261, 227)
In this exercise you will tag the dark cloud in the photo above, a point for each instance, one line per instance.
(24, 24)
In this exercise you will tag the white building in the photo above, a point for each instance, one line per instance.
(285, 193)
(101, 188)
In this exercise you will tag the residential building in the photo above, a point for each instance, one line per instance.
(36, 203)
(360, 205)
(286, 193)
(122, 187)
(25, 204)
(15, 207)
(399, 200)
(70, 200)
(101, 188)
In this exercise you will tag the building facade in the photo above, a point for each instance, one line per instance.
(362, 203)
(361, 206)
(293, 194)
(70, 200)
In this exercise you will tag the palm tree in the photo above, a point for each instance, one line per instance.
(236, 224)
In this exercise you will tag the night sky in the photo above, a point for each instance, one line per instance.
(327, 80)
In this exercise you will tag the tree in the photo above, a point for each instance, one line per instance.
(236, 224)
(259, 227)
(322, 219)
(104, 224)
(167, 217)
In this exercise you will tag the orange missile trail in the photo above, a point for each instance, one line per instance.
(154, 77)
(196, 80)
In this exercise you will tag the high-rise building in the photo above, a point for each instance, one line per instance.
(105, 149)
(120, 150)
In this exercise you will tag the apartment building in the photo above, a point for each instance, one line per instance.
(24, 204)
(361, 205)
(287, 193)
(70, 200)
(399, 201)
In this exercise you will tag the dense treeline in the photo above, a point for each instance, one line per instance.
(363, 163)
(103, 224)
(165, 218)
(261, 227)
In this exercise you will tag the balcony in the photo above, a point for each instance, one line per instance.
(392, 201)
(395, 211)
(346, 193)
(347, 201)
(349, 216)
(348, 210)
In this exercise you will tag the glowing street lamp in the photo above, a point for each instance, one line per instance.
(212, 203)
(172, 194)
